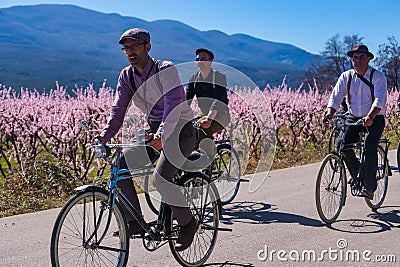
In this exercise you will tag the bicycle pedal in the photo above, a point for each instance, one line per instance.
(136, 236)
(156, 237)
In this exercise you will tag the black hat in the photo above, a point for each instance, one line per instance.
(360, 49)
(135, 33)
(200, 50)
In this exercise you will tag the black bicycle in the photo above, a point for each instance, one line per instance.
(83, 233)
(331, 184)
(224, 171)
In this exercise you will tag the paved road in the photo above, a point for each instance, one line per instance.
(279, 219)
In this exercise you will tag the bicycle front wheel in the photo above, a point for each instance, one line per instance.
(203, 201)
(226, 173)
(83, 232)
(330, 191)
(333, 136)
(398, 156)
(382, 174)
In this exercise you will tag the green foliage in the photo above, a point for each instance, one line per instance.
(35, 186)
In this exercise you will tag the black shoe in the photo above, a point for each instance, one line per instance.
(134, 229)
(367, 194)
(186, 235)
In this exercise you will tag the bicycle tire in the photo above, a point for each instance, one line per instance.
(398, 156)
(382, 174)
(76, 222)
(333, 136)
(204, 205)
(226, 173)
(330, 190)
(153, 198)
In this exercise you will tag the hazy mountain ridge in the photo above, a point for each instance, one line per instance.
(44, 43)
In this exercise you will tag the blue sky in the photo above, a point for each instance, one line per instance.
(307, 24)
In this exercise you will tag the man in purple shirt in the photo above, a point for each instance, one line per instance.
(155, 88)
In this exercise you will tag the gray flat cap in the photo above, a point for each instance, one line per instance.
(135, 33)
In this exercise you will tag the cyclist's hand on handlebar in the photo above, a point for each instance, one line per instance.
(103, 146)
(367, 121)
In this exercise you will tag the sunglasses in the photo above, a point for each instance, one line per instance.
(201, 59)
(359, 57)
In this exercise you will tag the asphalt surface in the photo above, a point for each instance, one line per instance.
(277, 225)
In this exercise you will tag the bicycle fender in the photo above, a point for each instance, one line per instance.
(89, 188)
(189, 174)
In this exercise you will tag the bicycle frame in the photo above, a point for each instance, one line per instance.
(331, 184)
(115, 193)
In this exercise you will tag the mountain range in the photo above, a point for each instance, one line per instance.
(42, 44)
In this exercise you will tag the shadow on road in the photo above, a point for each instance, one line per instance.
(261, 213)
(359, 226)
(387, 214)
(385, 218)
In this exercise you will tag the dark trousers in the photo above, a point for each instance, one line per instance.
(207, 135)
(182, 140)
(371, 144)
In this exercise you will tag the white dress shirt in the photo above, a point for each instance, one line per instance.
(360, 93)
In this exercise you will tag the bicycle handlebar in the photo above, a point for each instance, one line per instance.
(334, 122)
(104, 150)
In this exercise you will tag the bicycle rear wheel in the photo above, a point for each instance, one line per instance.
(203, 201)
(382, 174)
(330, 191)
(226, 173)
(83, 232)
